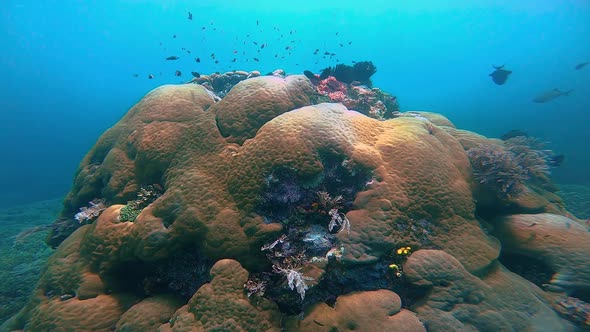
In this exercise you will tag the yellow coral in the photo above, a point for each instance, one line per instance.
(404, 251)
(396, 269)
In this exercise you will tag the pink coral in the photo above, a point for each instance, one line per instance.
(338, 96)
(371, 102)
(330, 85)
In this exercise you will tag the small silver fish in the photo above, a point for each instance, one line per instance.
(550, 95)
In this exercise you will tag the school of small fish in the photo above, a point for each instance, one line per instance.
(279, 46)
(289, 41)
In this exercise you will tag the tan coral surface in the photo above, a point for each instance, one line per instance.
(222, 305)
(459, 301)
(561, 243)
(378, 310)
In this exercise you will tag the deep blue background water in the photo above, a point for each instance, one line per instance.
(67, 67)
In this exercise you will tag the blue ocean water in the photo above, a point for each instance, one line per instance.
(67, 67)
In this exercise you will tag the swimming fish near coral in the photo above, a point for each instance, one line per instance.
(195, 74)
(550, 95)
(555, 160)
(190, 16)
(581, 65)
(174, 57)
(178, 73)
(500, 75)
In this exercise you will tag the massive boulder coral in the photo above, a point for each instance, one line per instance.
(222, 305)
(268, 96)
(149, 314)
(378, 310)
(270, 206)
(557, 241)
(70, 296)
(459, 301)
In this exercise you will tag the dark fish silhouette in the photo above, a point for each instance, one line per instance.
(550, 95)
(581, 65)
(174, 57)
(195, 74)
(500, 75)
(198, 59)
(312, 77)
(135, 75)
(150, 76)
(256, 59)
(555, 160)
(178, 73)
(190, 15)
